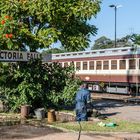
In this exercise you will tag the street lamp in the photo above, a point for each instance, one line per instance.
(115, 8)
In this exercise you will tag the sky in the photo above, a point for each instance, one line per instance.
(128, 19)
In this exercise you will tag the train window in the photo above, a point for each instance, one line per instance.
(84, 65)
(68, 54)
(132, 64)
(91, 65)
(124, 50)
(113, 64)
(57, 55)
(114, 50)
(87, 53)
(132, 49)
(105, 65)
(72, 63)
(66, 64)
(98, 65)
(80, 53)
(122, 64)
(78, 65)
(102, 51)
(63, 55)
(90, 86)
(75, 54)
(60, 64)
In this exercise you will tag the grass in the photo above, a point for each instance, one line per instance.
(122, 126)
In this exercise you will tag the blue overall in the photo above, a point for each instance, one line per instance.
(82, 97)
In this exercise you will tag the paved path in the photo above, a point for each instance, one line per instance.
(119, 110)
(74, 136)
(68, 136)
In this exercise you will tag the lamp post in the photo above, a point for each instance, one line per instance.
(115, 8)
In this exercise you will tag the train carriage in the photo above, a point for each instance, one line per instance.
(115, 70)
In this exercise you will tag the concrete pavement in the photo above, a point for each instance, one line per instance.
(74, 136)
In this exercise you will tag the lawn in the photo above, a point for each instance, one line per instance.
(89, 126)
(121, 126)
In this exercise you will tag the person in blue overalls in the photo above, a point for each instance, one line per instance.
(82, 98)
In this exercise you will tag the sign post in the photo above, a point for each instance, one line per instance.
(14, 56)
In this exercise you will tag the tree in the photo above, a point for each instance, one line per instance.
(104, 42)
(125, 41)
(37, 84)
(40, 23)
(136, 39)
(53, 50)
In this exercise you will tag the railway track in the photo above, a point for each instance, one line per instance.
(109, 96)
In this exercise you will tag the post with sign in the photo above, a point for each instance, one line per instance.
(13, 56)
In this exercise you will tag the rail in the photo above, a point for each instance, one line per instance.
(124, 98)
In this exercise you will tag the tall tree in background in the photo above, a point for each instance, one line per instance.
(40, 23)
(104, 42)
(136, 39)
(125, 41)
(52, 51)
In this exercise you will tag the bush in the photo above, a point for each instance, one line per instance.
(37, 84)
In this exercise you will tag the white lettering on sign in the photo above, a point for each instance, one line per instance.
(6, 55)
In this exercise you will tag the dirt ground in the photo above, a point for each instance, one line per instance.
(25, 132)
(110, 108)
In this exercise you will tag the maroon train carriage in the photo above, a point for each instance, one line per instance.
(114, 70)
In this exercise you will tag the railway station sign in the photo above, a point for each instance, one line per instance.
(13, 56)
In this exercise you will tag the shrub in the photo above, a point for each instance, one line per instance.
(37, 84)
